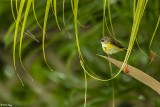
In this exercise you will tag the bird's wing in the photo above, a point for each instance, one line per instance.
(117, 44)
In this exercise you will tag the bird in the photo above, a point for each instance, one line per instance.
(111, 46)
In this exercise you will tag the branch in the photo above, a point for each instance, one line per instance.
(137, 74)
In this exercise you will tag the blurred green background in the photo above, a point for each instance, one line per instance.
(64, 86)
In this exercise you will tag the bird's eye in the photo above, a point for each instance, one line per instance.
(102, 40)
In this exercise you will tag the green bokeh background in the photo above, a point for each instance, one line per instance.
(64, 86)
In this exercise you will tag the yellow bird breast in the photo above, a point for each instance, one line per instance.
(110, 49)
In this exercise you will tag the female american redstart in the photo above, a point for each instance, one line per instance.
(111, 46)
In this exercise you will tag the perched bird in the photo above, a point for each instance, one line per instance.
(111, 46)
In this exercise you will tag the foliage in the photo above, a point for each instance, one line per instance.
(64, 86)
